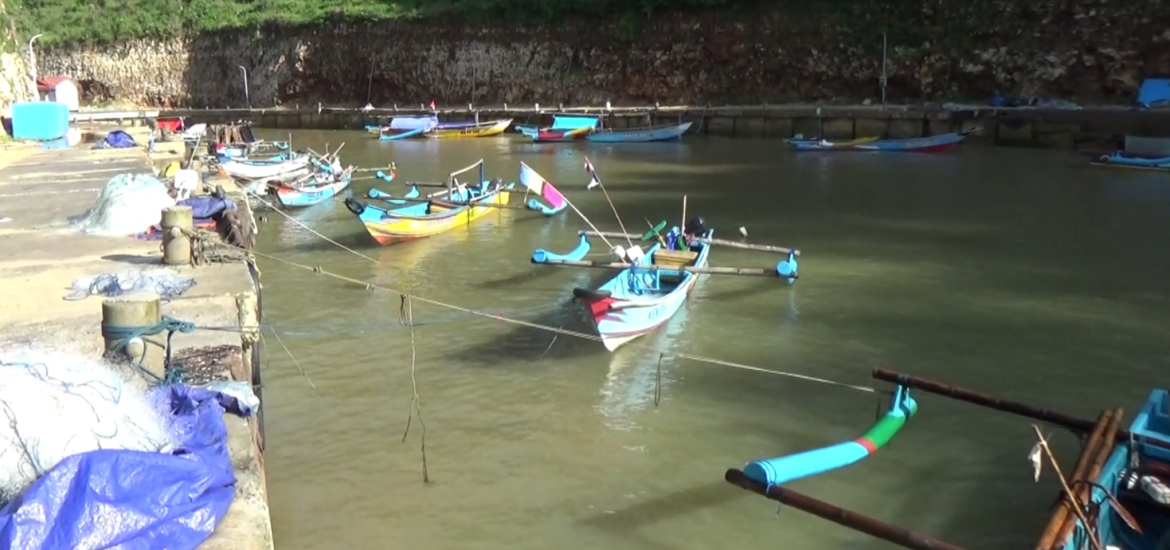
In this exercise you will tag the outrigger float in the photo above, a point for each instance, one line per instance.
(650, 286)
(1117, 496)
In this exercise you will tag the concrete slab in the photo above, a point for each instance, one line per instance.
(41, 255)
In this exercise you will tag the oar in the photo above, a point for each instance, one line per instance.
(840, 516)
(1014, 407)
(747, 271)
(654, 231)
(720, 242)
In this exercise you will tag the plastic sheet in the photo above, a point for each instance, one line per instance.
(135, 500)
(166, 283)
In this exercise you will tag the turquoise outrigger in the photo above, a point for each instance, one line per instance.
(1117, 497)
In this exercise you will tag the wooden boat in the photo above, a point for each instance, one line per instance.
(1117, 496)
(316, 189)
(543, 189)
(264, 169)
(470, 130)
(457, 206)
(932, 144)
(641, 297)
(562, 122)
(666, 132)
(1120, 159)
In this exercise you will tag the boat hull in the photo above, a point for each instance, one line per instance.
(263, 169)
(486, 129)
(640, 135)
(386, 228)
(933, 144)
(615, 310)
(294, 197)
(1121, 159)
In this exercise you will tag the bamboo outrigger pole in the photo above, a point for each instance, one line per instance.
(720, 242)
(852, 520)
(1079, 425)
(748, 271)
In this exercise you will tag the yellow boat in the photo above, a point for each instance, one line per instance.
(483, 129)
(457, 206)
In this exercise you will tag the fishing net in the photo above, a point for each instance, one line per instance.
(54, 405)
(128, 205)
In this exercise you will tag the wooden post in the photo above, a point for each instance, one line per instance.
(134, 311)
(177, 224)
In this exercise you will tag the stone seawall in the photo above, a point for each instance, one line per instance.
(1084, 49)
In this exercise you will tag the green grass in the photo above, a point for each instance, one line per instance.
(108, 21)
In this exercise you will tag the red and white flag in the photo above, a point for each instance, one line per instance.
(594, 181)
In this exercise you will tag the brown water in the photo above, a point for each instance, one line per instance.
(1018, 272)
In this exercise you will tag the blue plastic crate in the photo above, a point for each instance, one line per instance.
(40, 120)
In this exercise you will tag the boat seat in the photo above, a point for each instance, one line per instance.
(674, 259)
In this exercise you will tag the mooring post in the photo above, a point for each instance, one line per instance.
(177, 224)
(127, 313)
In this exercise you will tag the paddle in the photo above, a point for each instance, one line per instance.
(654, 231)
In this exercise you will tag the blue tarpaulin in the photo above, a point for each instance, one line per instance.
(1155, 92)
(117, 139)
(133, 500)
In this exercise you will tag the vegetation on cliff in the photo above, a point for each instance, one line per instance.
(86, 21)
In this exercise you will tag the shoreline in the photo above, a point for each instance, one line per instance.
(41, 189)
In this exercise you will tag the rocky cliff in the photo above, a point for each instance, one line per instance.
(15, 82)
(1089, 50)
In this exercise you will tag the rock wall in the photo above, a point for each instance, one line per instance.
(1088, 50)
(15, 82)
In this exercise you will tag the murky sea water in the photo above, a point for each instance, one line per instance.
(1016, 272)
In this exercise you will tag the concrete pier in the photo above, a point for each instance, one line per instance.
(41, 255)
(1027, 127)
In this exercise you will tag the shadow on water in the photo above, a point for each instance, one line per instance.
(527, 344)
(626, 522)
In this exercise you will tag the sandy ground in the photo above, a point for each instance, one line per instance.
(41, 255)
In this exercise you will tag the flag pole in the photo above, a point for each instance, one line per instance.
(596, 178)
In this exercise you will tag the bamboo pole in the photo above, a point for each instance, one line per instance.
(1014, 407)
(718, 242)
(1064, 485)
(1082, 489)
(1056, 528)
(852, 520)
(746, 271)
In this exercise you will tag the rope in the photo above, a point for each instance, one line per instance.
(559, 330)
(168, 324)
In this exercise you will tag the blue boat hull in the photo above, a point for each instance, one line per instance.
(932, 144)
(538, 206)
(1152, 423)
(308, 196)
(639, 135)
(1122, 160)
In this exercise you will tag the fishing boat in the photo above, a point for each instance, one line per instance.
(470, 130)
(666, 132)
(536, 183)
(1118, 159)
(651, 286)
(315, 189)
(275, 167)
(458, 205)
(932, 144)
(644, 295)
(562, 122)
(1117, 496)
